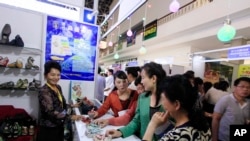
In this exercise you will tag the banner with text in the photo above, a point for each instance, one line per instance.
(150, 30)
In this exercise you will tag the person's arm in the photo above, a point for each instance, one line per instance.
(124, 119)
(47, 105)
(215, 125)
(219, 110)
(105, 107)
(158, 119)
(134, 124)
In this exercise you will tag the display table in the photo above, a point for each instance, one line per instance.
(81, 128)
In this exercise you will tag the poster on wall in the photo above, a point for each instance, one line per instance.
(131, 39)
(73, 45)
(215, 71)
(244, 71)
(76, 89)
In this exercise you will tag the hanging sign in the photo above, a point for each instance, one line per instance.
(150, 30)
(239, 52)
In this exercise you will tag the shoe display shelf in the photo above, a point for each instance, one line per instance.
(18, 69)
(21, 50)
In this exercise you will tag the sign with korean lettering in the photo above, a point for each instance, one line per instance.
(244, 71)
(239, 52)
(150, 30)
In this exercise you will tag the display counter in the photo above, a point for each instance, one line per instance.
(80, 129)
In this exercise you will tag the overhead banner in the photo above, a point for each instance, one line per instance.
(73, 45)
(150, 30)
(239, 52)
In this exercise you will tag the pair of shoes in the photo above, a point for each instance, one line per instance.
(35, 84)
(18, 41)
(4, 61)
(29, 64)
(5, 34)
(22, 84)
(17, 64)
(7, 85)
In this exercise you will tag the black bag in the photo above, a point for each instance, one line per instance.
(84, 108)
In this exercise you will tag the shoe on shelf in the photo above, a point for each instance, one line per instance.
(25, 84)
(19, 83)
(32, 86)
(18, 41)
(7, 85)
(5, 34)
(29, 63)
(10, 85)
(12, 65)
(37, 83)
(19, 64)
(4, 62)
(35, 67)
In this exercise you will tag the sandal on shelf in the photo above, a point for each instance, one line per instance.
(4, 62)
(5, 34)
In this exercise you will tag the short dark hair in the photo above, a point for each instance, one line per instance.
(51, 64)
(133, 71)
(238, 80)
(120, 74)
(223, 85)
(206, 86)
(138, 81)
(189, 74)
(111, 71)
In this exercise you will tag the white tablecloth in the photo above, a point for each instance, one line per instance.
(81, 128)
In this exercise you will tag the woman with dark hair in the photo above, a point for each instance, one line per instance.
(121, 98)
(179, 100)
(148, 103)
(53, 106)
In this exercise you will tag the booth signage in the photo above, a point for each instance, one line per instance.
(239, 52)
(73, 45)
(150, 30)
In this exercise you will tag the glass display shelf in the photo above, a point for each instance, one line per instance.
(22, 70)
(19, 89)
(6, 49)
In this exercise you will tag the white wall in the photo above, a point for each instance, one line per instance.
(29, 26)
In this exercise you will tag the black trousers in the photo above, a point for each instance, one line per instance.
(50, 134)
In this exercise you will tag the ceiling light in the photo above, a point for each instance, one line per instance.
(174, 6)
(227, 32)
(142, 50)
(116, 56)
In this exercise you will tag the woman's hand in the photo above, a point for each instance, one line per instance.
(114, 133)
(159, 118)
(76, 117)
(102, 122)
(75, 105)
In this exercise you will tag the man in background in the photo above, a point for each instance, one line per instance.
(109, 83)
(101, 83)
